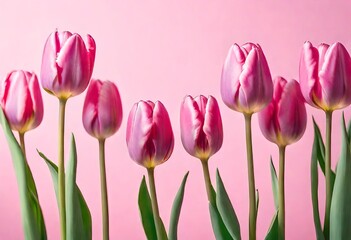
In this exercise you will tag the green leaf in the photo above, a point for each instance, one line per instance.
(32, 217)
(78, 217)
(219, 229)
(321, 152)
(74, 214)
(275, 187)
(257, 202)
(145, 208)
(273, 229)
(340, 211)
(226, 209)
(317, 153)
(177, 205)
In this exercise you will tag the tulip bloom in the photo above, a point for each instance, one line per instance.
(246, 84)
(325, 76)
(201, 126)
(67, 64)
(21, 101)
(102, 112)
(284, 120)
(150, 137)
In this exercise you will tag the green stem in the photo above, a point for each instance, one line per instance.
(251, 176)
(104, 197)
(61, 168)
(281, 212)
(328, 186)
(209, 188)
(23, 146)
(155, 211)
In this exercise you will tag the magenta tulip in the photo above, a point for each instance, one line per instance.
(246, 84)
(21, 101)
(325, 76)
(284, 120)
(150, 137)
(67, 64)
(102, 112)
(201, 126)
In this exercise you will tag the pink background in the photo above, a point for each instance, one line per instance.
(163, 50)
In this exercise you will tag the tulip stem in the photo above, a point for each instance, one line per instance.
(157, 219)
(104, 197)
(23, 146)
(61, 168)
(251, 176)
(328, 186)
(281, 212)
(209, 188)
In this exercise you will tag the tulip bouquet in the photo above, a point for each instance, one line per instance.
(246, 87)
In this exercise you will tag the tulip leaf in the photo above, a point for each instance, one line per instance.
(275, 187)
(145, 208)
(317, 153)
(176, 208)
(321, 152)
(32, 216)
(219, 229)
(257, 202)
(226, 209)
(340, 211)
(77, 212)
(273, 228)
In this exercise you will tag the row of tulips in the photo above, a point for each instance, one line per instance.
(246, 87)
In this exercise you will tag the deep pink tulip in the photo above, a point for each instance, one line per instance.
(284, 120)
(325, 76)
(201, 126)
(150, 137)
(21, 100)
(67, 64)
(102, 111)
(246, 84)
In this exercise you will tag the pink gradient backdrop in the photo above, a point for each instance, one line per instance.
(164, 50)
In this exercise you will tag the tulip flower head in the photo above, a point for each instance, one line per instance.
(21, 100)
(67, 64)
(284, 120)
(201, 126)
(325, 76)
(150, 137)
(246, 83)
(102, 111)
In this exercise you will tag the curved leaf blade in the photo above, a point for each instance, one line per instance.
(275, 186)
(219, 229)
(317, 153)
(340, 212)
(226, 210)
(273, 229)
(145, 208)
(176, 208)
(32, 216)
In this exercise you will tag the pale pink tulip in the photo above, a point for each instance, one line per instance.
(67, 64)
(284, 120)
(21, 100)
(325, 76)
(102, 111)
(150, 137)
(201, 126)
(246, 83)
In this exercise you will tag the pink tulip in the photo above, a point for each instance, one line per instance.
(102, 112)
(67, 64)
(201, 126)
(150, 137)
(21, 101)
(284, 120)
(325, 76)
(246, 84)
